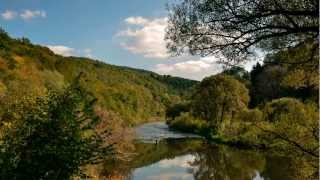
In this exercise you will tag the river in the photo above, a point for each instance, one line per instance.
(163, 154)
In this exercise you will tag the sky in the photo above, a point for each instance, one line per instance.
(120, 32)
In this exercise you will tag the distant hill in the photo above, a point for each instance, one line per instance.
(136, 95)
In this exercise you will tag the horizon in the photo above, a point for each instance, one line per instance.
(133, 37)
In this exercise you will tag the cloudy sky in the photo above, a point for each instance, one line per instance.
(120, 32)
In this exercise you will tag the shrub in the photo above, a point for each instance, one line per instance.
(175, 110)
(292, 125)
(242, 127)
(188, 123)
(51, 137)
(249, 115)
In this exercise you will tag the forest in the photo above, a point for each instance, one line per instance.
(93, 104)
(275, 105)
(65, 117)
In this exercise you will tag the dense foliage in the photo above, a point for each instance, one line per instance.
(54, 128)
(51, 137)
(136, 95)
(218, 98)
(274, 106)
(282, 114)
(286, 125)
(290, 121)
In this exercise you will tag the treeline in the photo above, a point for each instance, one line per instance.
(274, 106)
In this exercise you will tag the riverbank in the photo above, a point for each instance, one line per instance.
(171, 154)
(203, 129)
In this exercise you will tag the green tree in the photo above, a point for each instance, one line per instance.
(175, 110)
(293, 125)
(218, 98)
(301, 64)
(51, 137)
(238, 73)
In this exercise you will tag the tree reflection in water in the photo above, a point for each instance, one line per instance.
(195, 159)
(222, 162)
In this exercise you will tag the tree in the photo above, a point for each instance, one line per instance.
(239, 73)
(218, 98)
(175, 110)
(267, 84)
(301, 64)
(256, 70)
(234, 28)
(287, 73)
(3, 33)
(51, 137)
(24, 40)
(293, 125)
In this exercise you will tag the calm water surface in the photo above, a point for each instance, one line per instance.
(163, 154)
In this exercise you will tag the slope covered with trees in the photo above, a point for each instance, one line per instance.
(60, 115)
(135, 95)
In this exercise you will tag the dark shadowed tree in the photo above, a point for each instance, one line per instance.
(238, 73)
(302, 65)
(236, 27)
(287, 73)
(175, 110)
(268, 84)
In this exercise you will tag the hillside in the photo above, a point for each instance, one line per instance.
(136, 95)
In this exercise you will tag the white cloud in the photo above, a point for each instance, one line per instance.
(61, 50)
(9, 15)
(68, 51)
(197, 68)
(145, 36)
(193, 68)
(136, 20)
(170, 175)
(88, 53)
(182, 161)
(30, 14)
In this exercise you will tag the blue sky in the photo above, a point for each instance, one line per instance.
(120, 32)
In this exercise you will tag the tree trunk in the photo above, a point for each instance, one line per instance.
(222, 114)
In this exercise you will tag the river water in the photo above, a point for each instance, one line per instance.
(163, 154)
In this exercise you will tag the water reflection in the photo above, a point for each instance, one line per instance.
(221, 162)
(167, 169)
(156, 131)
(176, 158)
(193, 159)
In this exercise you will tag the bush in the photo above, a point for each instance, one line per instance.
(242, 127)
(51, 137)
(292, 125)
(175, 110)
(250, 115)
(284, 108)
(188, 123)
